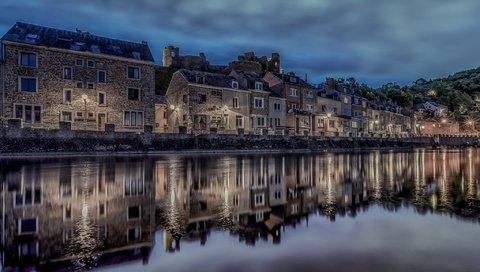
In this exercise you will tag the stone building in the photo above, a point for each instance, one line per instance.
(201, 101)
(161, 125)
(51, 75)
(300, 100)
(259, 65)
(172, 58)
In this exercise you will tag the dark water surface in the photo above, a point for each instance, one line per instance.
(373, 211)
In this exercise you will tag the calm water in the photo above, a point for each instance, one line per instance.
(375, 211)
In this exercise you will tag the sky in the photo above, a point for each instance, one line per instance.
(375, 41)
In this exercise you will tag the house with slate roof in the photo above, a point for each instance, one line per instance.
(202, 102)
(51, 75)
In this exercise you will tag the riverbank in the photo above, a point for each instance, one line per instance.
(35, 141)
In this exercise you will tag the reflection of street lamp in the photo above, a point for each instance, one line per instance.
(85, 98)
(327, 125)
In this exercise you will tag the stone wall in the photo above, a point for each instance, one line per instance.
(26, 140)
(86, 112)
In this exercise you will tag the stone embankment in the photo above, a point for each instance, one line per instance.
(27, 140)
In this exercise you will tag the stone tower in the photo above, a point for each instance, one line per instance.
(170, 53)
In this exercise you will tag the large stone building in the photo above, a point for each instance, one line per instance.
(51, 75)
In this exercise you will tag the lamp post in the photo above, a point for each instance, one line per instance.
(85, 98)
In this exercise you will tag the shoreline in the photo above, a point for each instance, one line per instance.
(199, 152)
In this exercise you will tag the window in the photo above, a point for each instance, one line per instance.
(293, 92)
(216, 93)
(79, 62)
(259, 199)
(134, 94)
(102, 99)
(67, 73)
(216, 119)
(102, 77)
(239, 121)
(345, 100)
(258, 102)
(309, 107)
(90, 63)
(133, 72)
(309, 94)
(234, 84)
(320, 123)
(66, 116)
(28, 59)
(201, 98)
(294, 208)
(28, 249)
(28, 84)
(79, 114)
(133, 118)
(134, 184)
(199, 79)
(90, 85)
(102, 210)
(29, 194)
(134, 234)
(294, 106)
(28, 225)
(134, 212)
(79, 84)
(258, 86)
(67, 96)
(235, 103)
(277, 107)
(259, 216)
(278, 195)
(67, 212)
(28, 113)
(261, 121)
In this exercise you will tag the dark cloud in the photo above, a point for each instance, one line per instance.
(372, 40)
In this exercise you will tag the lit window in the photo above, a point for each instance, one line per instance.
(28, 59)
(28, 84)
(133, 72)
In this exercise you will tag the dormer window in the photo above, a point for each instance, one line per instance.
(259, 86)
(200, 79)
(234, 84)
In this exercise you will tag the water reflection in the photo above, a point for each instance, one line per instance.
(86, 213)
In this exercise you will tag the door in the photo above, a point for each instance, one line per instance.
(102, 119)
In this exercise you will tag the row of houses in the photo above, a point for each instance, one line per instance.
(274, 103)
(49, 76)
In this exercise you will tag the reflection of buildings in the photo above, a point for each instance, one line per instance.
(78, 214)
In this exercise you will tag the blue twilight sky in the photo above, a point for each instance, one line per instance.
(376, 41)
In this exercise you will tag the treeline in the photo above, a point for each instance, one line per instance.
(459, 92)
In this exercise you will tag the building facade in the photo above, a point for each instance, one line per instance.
(51, 75)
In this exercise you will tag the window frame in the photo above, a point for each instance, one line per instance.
(235, 84)
(104, 104)
(139, 213)
(294, 92)
(91, 61)
(130, 117)
(135, 67)
(64, 74)
(139, 94)
(79, 65)
(235, 102)
(64, 96)
(104, 77)
(255, 99)
(27, 77)
(20, 232)
(27, 52)
(71, 116)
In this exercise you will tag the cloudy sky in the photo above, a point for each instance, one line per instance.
(376, 41)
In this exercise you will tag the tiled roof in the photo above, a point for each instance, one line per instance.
(77, 41)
